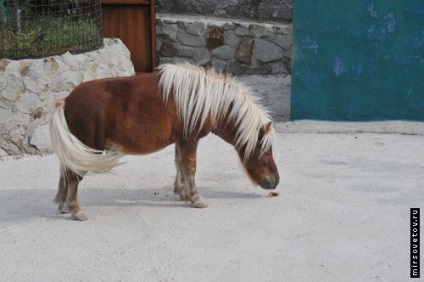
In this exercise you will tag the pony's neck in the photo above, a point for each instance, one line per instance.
(227, 131)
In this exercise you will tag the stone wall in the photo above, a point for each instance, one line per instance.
(29, 87)
(237, 47)
(278, 11)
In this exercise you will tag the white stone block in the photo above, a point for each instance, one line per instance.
(40, 138)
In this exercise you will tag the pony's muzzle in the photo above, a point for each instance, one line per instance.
(270, 183)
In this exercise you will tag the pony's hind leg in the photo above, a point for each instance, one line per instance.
(71, 204)
(62, 193)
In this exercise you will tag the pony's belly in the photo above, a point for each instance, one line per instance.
(141, 145)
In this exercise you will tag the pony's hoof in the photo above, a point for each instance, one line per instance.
(199, 203)
(63, 208)
(79, 216)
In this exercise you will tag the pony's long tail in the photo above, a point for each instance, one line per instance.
(72, 153)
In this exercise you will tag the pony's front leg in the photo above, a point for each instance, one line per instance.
(187, 156)
(180, 184)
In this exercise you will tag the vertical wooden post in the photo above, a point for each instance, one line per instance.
(134, 22)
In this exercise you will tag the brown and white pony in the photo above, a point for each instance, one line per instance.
(102, 120)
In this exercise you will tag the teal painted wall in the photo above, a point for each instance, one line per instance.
(358, 60)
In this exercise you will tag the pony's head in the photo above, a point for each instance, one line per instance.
(259, 163)
(202, 95)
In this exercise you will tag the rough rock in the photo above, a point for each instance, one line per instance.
(244, 51)
(267, 51)
(28, 88)
(231, 46)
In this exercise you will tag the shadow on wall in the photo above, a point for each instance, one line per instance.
(280, 11)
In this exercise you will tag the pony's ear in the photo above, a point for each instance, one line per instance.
(268, 128)
(265, 130)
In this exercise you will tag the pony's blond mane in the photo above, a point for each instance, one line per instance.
(199, 93)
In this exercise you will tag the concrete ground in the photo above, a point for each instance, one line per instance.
(346, 190)
(342, 213)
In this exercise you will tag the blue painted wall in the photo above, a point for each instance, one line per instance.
(358, 60)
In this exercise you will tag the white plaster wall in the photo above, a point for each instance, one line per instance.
(29, 87)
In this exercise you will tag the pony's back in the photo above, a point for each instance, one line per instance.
(200, 93)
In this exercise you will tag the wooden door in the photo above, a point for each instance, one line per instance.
(133, 21)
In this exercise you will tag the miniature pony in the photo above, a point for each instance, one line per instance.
(104, 119)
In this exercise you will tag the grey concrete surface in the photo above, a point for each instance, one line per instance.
(342, 214)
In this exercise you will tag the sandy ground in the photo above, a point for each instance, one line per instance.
(342, 215)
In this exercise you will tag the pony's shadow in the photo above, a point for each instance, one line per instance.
(26, 204)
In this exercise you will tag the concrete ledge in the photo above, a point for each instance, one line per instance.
(326, 127)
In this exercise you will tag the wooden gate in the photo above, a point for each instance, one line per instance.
(133, 21)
